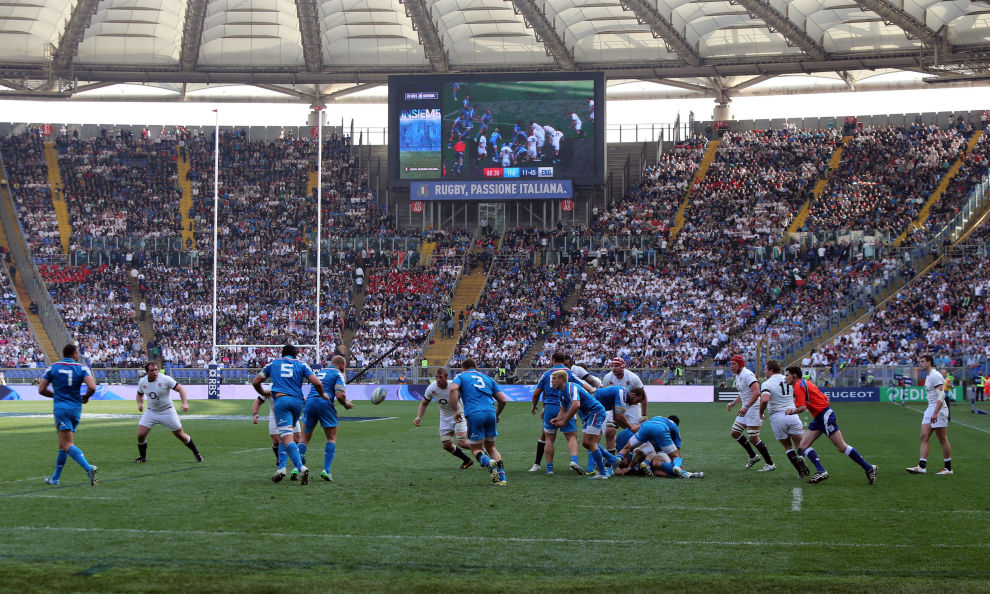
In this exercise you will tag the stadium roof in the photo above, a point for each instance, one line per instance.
(322, 50)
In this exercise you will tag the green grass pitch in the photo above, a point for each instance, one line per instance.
(419, 159)
(402, 516)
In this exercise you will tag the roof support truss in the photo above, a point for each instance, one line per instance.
(309, 29)
(662, 28)
(545, 33)
(783, 25)
(192, 34)
(429, 36)
(68, 45)
(900, 17)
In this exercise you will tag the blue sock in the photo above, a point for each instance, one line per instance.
(599, 463)
(283, 456)
(852, 453)
(59, 464)
(77, 455)
(668, 468)
(328, 451)
(484, 460)
(607, 455)
(813, 456)
(678, 461)
(574, 459)
(302, 449)
(591, 463)
(293, 450)
(549, 466)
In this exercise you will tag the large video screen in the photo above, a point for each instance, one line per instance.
(499, 127)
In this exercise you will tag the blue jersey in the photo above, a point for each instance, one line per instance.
(552, 398)
(477, 391)
(287, 375)
(66, 378)
(331, 380)
(589, 404)
(495, 139)
(612, 397)
(658, 429)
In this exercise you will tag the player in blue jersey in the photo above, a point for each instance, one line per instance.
(63, 383)
(495, 141)
(287, 376)
(660, 439)
(575, 399)
(615, 399)
(483, 404)
(321, 411)
(551, 406)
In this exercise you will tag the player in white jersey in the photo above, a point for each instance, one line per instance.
(157, 386)
(581, 373)
(749, 418)
(776, 397)
(531, 149)
(635, 413)
(576, 124)
(439, 390)
(555, 136)
(540, 134)
(936, 418)
(273, 426)
(506, 154)
(591, 110)
(482, 147)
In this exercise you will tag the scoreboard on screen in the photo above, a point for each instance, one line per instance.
(456, 137)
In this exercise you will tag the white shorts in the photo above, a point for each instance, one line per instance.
(784, 425)
(506, 161)
(752, 418)
(482, 152)
(633, 415)
(941, 421)
(448, 427)
(167, 418)
(273, 429)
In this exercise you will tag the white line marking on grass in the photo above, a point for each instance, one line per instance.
(33, 478)
(796, 501)
(981, 430)
(251, 450)
(762, 509)
(66, 497)
(496, 539)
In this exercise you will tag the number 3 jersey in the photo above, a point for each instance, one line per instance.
(157, 392)
(442, 396)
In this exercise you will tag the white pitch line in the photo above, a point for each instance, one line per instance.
(981, 430)
(33, 478)
(796, 501)
(251, 450)
(64, 497)
(496, 539)
(762, 509)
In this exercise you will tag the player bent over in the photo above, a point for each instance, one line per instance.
(483, 404)
(63, 382)
(156, 386)
(776, 396)
(287, 376)
(749, 418)
(573, 399)
(807, 396)
(660, 440)
(439, 389)
(935, 419)
(321, 411)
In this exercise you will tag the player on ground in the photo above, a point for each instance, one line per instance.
(483, 404)
(776, 397)
(574, 399)
(439, 390)
(749, 418)
(936, 418)
(635, 411)
(62, 382)
(156, 386)
(322, 411)
(807, 396)
(287, 375)
(659, 439)
(551, 406)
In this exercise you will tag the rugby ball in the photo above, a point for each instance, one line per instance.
(378, 396)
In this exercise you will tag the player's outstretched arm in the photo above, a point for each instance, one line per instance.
(341, 395)
(421, 411)
(182, 394)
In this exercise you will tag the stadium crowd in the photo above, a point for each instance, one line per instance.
(18, 345)
(27, 171)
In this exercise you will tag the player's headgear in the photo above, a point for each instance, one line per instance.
(618, 362)
(738, 360)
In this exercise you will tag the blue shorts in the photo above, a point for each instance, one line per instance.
(550, 412)
(481, 427)
(659, 437)
(825, 422)
(594, 422)
(318, 410)
(67, 418)
(287, 410)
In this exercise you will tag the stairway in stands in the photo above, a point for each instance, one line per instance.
(467, 294)
(58, 196)
(22, 293)
(699, 176)
(147, 326)
(943, 185)
(186, 200)
(833, 164)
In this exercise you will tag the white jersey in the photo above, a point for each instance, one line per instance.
(531, 146)
(157, 391)
(549, 130)
(934, 387)
(628, 381)
(482, 145)
(442, 396)
(781, 397)
(744, 380)
(539, 133)
(506, 155)
(576, 121)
